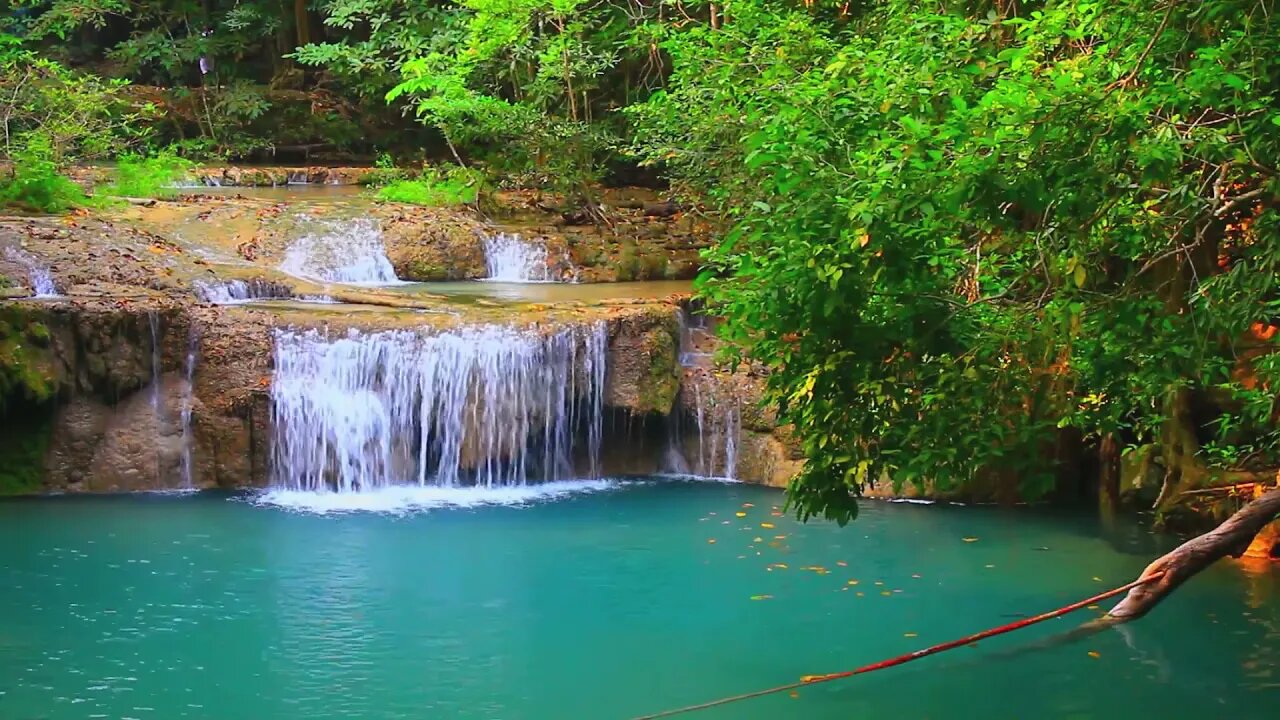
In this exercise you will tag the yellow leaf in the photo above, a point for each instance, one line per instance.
(908, 634)
(886, 593)
(711, 541)
(767, 526)
(741, 514)
(1094, 654)
(853, 582)
(971, 539)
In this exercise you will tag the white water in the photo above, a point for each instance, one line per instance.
(188, 402)
(488, 405)
(411, 498)
(238, 292)
(344, 251)
(719, 423)
(512, 259)
(38, 276)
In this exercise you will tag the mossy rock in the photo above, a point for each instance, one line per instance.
(661, 383)
(26, 363)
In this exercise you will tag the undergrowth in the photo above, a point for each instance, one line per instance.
(149, 176)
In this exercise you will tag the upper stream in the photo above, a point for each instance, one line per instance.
(604, 604)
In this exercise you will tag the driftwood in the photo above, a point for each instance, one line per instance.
(1230, 539)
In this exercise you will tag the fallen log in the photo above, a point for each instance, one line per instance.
(1230, 539)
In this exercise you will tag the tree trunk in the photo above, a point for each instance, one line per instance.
(301, 22)
(1109, 475)
(1231, 538)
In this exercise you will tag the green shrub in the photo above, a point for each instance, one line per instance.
(457, 186)
(35, 185)
(154, 176)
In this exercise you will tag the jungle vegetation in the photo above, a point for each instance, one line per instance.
(969, 241)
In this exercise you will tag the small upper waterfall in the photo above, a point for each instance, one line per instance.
(345, 251)
(513, 259)
(41, 280)
(234, 292)
(486, 405)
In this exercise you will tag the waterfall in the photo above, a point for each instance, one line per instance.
(488, 405)
(510, 258)
(719, 422)
(345, 251)
(37, 275)
(188, 402)
(236, 292)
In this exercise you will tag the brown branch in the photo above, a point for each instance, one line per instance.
(1137, 66)
(1231, 538)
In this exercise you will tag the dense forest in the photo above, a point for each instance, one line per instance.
(966, 240)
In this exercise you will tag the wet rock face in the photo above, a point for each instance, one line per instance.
(644, 372)
(114, 421)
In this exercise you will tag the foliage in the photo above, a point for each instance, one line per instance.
(57, 113)
(149, 176)
(956, 233)
(34, 183)
(457, 186)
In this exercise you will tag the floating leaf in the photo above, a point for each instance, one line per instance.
(766, 526)
(761, 597)
(711, 541)
(741, 514)
(1095, 654)
(910, 635)
(971, 539)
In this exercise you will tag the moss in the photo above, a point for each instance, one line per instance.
(662, 378)
(24, 440)
(26, 364)
(423, 271)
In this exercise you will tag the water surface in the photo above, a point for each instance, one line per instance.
(605, 604)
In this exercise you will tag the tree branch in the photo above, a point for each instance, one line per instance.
(1231, 538)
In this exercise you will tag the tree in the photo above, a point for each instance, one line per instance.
(955, 235)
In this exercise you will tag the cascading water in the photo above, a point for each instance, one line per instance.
(235, 292)
(41, 280)
(512, 259)
(188, 403)
(343, 251)
(489, 406)
(719, 423)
